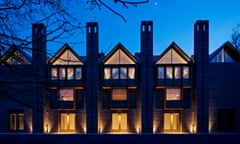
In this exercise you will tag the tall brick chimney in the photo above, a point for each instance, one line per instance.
(92, 77)
(201, 83)
(147, 76)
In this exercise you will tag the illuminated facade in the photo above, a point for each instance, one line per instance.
(120, 92)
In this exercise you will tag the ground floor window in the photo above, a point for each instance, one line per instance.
(16, 120)
(67, 121)
(119, 121)
(171, 121)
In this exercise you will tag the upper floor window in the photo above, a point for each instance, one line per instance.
(66, 73)
(66, 94)
(160, 72)
(123, 72)
(173, 94)
(173, 72)
(185, 74)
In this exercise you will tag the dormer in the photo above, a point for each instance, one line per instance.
(225, 54)
(15, 56)
(119, 64)
(173, 67)
(173, 55)
(66, 65)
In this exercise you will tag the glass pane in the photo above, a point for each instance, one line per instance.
(169, 72)
(107, 73)
(167, 121)
(171, 57)
(131, 73)
(13, 122)
(62, 73)
(160, 72)
(173, 94)
(123, 73)
(177, 72)
(68, 58)
(123, 121)
(72, 121)
(66, 95)
(54, 73)
(115, 73)
(186, 72)
(115, 121)
(119, 94)
(78, 73)
(174, 121)
(70, 73)
(119, 57)
(21, 121)
(63, 121)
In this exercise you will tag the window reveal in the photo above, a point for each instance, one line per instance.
(66, 95)
(173, 94)
(119, 94)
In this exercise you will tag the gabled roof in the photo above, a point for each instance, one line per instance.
(65, 56)
(118, 52)
(229, 49)
(15, 55)
(176, 54)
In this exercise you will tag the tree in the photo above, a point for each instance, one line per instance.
(236, 37)
(17, 17)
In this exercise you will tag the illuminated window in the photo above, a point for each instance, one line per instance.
(54, 73)
(70, 75)
(169, 72)
(171, 122)
(67, 121)
(171, 57)
(186, 72)
(177, 72)
(16, 120)
(119, 121)
(62, 73)
(78, 73)
(13, 121)
(115, 73)
(131, 73)
(123, 73)
(66, 95)
(173, 94)
(119, 57)
(119, 94)
(68, 58)
(107, 73)
(160, 72)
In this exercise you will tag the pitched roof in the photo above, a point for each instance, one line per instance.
(120, 47)
(12, 52)
(177, 49)
(75, 59)
(229, 49)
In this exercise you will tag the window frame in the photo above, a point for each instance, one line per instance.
(180, 94)
(16, 120)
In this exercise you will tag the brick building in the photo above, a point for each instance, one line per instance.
(120, 92)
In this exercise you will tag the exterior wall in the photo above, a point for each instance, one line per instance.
(17, 93)
(224, 93)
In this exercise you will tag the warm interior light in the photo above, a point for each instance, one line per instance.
(154, 129)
